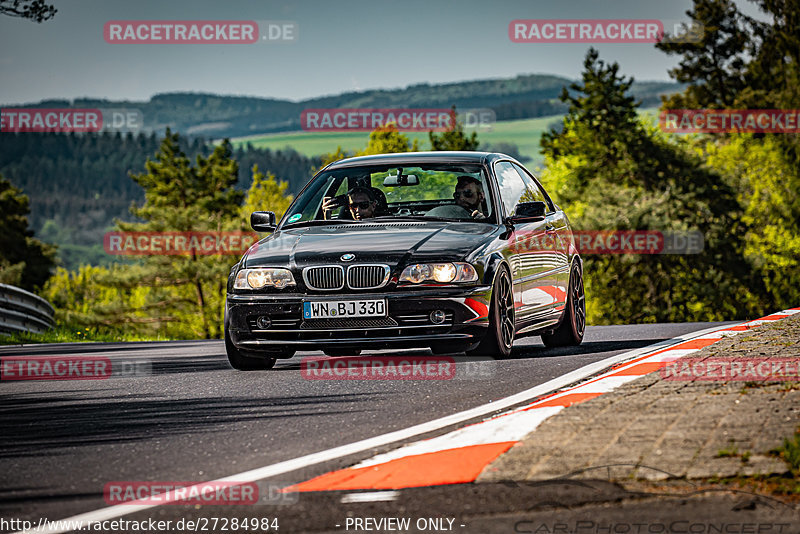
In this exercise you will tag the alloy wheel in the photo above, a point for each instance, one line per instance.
(579, 303)
(505, 310)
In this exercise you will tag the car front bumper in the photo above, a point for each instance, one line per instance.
(407, 323)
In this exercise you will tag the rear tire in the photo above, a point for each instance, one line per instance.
(570, 332)
(243, 362)
(499, 338)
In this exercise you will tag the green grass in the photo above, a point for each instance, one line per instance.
(786, 484)
(525, 133)
(311, 143)
(64, 334)
(790, 452)
(728, 452)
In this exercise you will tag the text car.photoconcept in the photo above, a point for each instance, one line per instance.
(452, 251)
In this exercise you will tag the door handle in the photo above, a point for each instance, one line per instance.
(549, 228)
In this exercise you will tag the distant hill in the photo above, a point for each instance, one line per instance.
(218, 116)
(78, 184)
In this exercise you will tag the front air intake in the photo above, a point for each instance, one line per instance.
(324, 277)
(367, 276)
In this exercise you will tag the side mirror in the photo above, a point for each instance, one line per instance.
(529, 212)
(263, 221)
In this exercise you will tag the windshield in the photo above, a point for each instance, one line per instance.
(430, 191)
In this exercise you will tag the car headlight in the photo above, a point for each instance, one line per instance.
(442, 273)
(258, 278)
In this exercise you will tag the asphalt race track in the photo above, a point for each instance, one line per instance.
(184, 415)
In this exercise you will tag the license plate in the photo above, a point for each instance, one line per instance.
(329, 309)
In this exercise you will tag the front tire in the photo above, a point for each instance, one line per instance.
(500, 337)
(570, 332)
(243, 362)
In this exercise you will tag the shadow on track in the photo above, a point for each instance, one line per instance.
(587, 347)
(61, 349)
(518, 353)
(35, 424)
(189, 364)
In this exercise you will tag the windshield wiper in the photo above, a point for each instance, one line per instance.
(407, 217)
(315, 222)
(426, 218)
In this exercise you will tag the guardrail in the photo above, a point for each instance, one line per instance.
(22, 311)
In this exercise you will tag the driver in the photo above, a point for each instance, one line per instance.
(469, 195)
(469, 198)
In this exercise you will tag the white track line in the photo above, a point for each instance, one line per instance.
(512, 426)
(294, 464)
(370, 496)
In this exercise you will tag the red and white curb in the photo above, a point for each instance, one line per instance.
(460, 456)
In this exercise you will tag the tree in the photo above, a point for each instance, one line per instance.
(331, 157)
(600, 109)
(388, 140)
(757, 63)
(774, 71)
(382, 140)
(713, 66)
(503, 147)
(739, 62)
(266, 194)
(36, 10)
(185, 198)
(453, 139)
(93, 297)
(24, 261)
(612, 172)
(769, 189)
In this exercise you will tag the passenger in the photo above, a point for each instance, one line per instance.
(360, 201)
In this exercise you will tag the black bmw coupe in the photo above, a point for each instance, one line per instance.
(455, 251)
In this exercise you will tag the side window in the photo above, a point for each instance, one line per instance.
(342, 189)
(536, 194)
(511, 186)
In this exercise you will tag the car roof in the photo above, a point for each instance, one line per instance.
(441, 156)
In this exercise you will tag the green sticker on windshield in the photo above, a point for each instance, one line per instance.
(295, 217)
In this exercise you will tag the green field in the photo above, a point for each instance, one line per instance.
(525, 133)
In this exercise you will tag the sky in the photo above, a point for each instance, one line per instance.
(343, 45)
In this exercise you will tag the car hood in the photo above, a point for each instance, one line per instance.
(390, 243)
